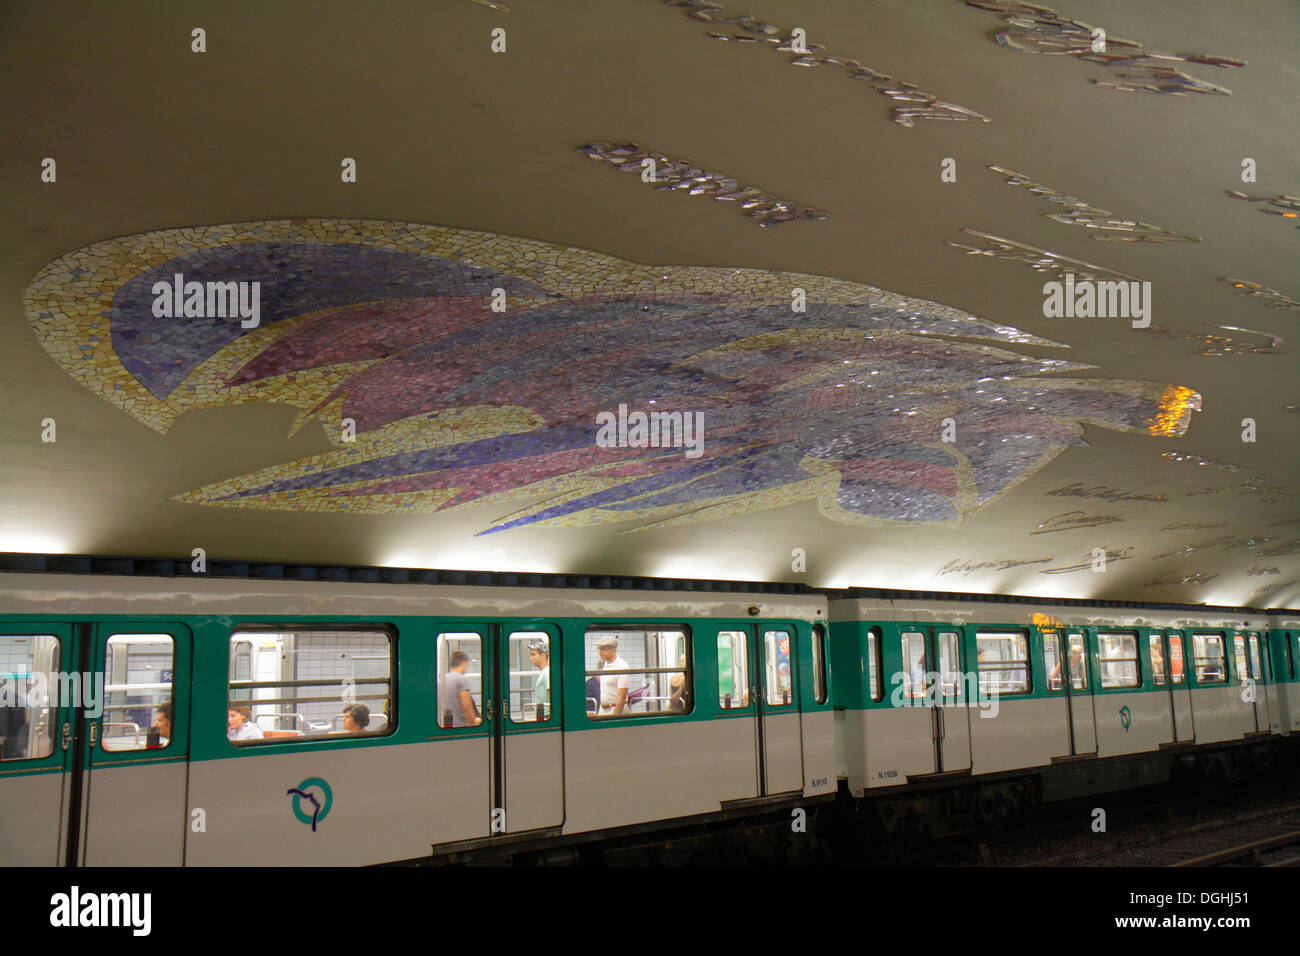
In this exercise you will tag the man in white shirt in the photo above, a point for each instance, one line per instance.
(614, 687)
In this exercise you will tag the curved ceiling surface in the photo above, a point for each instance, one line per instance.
(949, 295)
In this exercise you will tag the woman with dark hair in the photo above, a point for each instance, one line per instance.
(356, 717)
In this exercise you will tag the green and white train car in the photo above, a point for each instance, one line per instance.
(957, 688)
(256, 720)
(723, 706)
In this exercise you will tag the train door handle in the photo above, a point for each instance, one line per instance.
(67, 735)
(94, 734)
(487, 708)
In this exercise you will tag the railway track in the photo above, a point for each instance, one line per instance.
(1274, 831)
(1278, 851)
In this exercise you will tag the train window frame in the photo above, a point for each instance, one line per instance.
(548, 705)
(1239, 657)
(1255, 656)
(1156, 642)
(50, 704)
(1107, 680)
(820, 692)
(1078, 681)
(669, 631)
(1177, 677)
(1197, 657)
(253, 631)
(911, 687)
(875, 670)
(983, 667)
(771, 669)
(1052, 638)
(156, 702)
(444, 708)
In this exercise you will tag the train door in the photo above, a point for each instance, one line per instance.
(1247, 680)
(528, 745)
(35, 742)
(757, 677)
(1180, 691)
(135, 758)
(935, 678)
(1259, 674)
(781, 732)
(93, 765)
(1083, 718)
(499, 699)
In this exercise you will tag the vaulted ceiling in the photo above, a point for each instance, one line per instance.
(837, 273)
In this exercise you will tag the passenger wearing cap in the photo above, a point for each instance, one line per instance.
(614, 687)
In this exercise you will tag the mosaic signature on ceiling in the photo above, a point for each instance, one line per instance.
(919, 105)
(1288, 207)
(1040, 260)
(1080, 213)
(1271, 297)
(1035, 29)
(668, 173)
(391, 325)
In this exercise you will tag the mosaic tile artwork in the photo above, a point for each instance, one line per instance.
(1270, 297)
(805, 53)
(1288, 207)
(1040, 260)
(1222, 344)
(1035, 29)
(1102, 221)
(390, 325)
(680, 174)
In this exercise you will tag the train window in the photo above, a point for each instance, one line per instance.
(778, 662)
(819, 663)
(309, 684)
(733, 669)
(1256, 663)
(1052, 659)
(30, 694)
(1176, 672)
(874, 673)
(1003, 662)
(915, 666)
(638, 672)
(1156, 644)
(1117, 659)
(1209, 659)
(1290, 657)
(460, 679)
(1078, 662)
(530, 676)
(950, 672)
(138, 692)
(1239, 652)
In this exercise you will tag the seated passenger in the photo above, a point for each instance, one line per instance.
(13, 718)
(163, 721)
(677, 688)
(239, 726)
(356, 717)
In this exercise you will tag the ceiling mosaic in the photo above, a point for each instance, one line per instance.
(452, 368)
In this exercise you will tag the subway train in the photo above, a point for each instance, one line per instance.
(271, 715)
